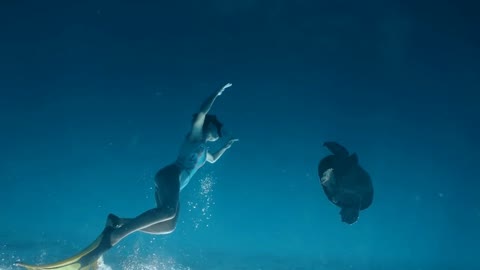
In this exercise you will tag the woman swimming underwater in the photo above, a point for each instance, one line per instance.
(169, 181)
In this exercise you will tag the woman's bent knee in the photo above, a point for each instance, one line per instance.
(171, 225)
(165, 227)
(165, 213)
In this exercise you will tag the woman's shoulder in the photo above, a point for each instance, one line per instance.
(191, 139)
(191, 143)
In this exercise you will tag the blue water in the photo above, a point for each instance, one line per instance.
(97, 96)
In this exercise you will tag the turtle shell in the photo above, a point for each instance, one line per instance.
(349, 176)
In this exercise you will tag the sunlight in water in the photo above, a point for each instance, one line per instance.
(151, 262)
(102, 265)
(203, 202)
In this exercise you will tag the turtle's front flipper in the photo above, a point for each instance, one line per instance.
(87, 259)
(336, 149)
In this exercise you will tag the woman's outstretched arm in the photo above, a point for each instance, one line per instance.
(196, 132)
(212, 158)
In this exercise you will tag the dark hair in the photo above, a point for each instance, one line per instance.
(210, 119)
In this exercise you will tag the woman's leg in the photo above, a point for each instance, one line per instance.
(164, 227)
(158, 220)
(167, 192)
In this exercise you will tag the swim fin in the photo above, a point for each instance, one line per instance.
(87, 259)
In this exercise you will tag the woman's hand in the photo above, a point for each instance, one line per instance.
(223, 88)
(230, 143)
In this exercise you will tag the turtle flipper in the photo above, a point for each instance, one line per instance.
(336, 149)
(86, 259)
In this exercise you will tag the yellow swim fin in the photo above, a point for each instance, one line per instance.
(87, 259)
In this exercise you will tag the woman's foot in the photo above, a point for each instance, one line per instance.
(114, 221)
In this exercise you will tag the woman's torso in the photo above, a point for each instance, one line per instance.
(191, 157)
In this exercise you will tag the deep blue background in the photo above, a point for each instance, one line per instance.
(96, 96)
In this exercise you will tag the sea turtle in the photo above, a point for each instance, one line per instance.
(345, 182)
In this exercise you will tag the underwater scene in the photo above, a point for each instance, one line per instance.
(234, 135)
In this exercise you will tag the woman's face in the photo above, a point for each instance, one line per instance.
(212, 133)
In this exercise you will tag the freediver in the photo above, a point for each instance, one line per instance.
(169, 181)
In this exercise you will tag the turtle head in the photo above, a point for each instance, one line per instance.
(349, 214)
